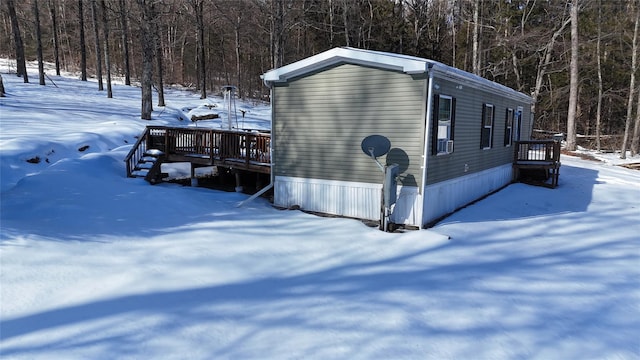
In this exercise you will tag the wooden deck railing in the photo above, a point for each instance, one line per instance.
(240, 149)
(137, 152)
(541, 156)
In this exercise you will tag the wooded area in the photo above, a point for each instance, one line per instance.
(204, 44)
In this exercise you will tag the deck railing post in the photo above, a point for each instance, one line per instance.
(247, 145)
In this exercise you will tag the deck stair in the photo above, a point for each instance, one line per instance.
(149, 166)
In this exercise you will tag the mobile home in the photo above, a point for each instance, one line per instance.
(451, 133)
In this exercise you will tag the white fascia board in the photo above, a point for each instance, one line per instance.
(479, 82)
(376, 59)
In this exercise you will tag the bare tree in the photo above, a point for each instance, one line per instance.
(476, 38)
(36, 16)
(1, 87)
(600, 87)
(54, 30)
(573, 86)
(159, 60)
(198, 9)
(107, 59)
(277, 33)
(96, 34)
(345, 21)
(83, 45)
(234, 15)
(632, 85)
(636, 129)
(21, 65)
(148, 48)
(125, 41)
(544, 62)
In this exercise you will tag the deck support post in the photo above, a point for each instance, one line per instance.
(194, 179)
(238, 183)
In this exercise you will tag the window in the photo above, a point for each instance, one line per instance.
(508, 127)
(486, 137)
(444, 108)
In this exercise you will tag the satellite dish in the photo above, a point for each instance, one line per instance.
(375, 145)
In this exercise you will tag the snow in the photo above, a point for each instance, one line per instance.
(94, 265)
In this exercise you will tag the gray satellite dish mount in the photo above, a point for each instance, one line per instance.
(376, 146)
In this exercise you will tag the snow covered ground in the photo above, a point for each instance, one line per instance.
(94, 265)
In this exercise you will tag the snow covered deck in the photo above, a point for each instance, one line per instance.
(242, 150)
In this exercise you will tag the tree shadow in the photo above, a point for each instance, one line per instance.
(461, 300)
(98, 202)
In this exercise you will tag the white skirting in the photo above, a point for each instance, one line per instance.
(362, 200)
(406, 210)
(352, 199)
(447, 196)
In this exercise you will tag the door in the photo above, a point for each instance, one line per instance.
(517, 123)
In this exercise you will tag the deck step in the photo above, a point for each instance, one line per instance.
(146, 159)
(153, 152)
(140, 172)
(145, 165)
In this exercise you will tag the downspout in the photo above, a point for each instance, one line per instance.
(427, 136)
(271, 176)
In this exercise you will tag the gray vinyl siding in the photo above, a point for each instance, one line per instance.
(320, 119)
(467, 132)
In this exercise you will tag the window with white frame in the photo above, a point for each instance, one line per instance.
(508, 127)
(486, 137)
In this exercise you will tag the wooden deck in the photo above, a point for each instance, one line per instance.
(538, 162)
(241, 150)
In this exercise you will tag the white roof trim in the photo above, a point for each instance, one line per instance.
(407, 64)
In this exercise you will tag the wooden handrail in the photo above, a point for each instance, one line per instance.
(135, 153)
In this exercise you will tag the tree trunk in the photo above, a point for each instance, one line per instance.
(21, 65)
(600, 86)
(331, 32)
(636, 129)
(1, 87)
(56, 45)
(125, 42)
(83, 44)
(146, 37)
(345, 20)
(632, 86)
(238, 65)
(544, 62)
(198, 6)
(277, 33)
(573, 82)
(107, 58)
(475, 57)
(159, 59)
(36, 16)
(96, 33)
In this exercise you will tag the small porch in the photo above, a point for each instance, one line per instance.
(537, 162)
